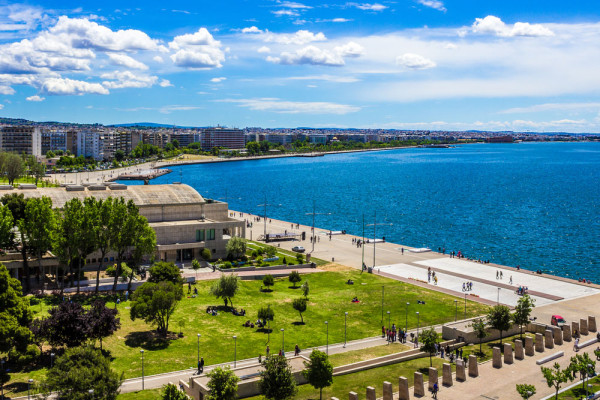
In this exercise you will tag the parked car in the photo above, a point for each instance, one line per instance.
(557, 320)
(298, 249)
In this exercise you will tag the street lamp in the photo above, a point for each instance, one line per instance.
(52, 359)
(418, 323)
(234, 351)
(374, 225)
(313, 225)
(198, 358)
(91, 392)
(456, 310)
(406, 326)
(2, 382)
(587, 375)
(29, 382)
(327, 342)
(465, 306)
(389, 319)
(265, 215)
(282, 339)
(345, 328)
(382, 293)
(498, 296)
(142, 352)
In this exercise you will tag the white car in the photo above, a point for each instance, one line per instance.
(298, 249)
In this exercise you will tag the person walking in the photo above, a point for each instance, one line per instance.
(200, 366)
(576, 345)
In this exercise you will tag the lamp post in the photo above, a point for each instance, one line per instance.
(498, 296)
(382, 293)
(198, 358)
(418, 323)
(29, 382)
(587, 374)
(91, 392)
(465, 306)
(313, 224)
(142, 352)
(456, 310)
(234, 351)
(2, 382)
(406, 325)
(52, 359)
(327, 341)
(374, 225)
(345, 328)
(265, 214)
(389, 319)
(282, 339)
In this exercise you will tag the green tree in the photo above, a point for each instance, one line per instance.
(38, 170)
(556, 376)
(276, 379)
(583, 364)
(6, 227)
(253, 148)
(305, 289)
(144, 244)
(268, 281)
(525, 390)
(65, 244)
(294, 277)
(124, 228)
(266, 314)
(226, 288)
(522, 312)
(77, 371)
(428, 339)
(299, 305)
(205, 254)
(13, 167)
(16, 203)
(163, 271)
(119, 155)
(223, 384)
(299, 258)
(102, 231)
(172, 392)
(319, 371)
(480, 329)
(270, 251)
(155, 303)
(235, 248)
(499, 318)
(196, 266)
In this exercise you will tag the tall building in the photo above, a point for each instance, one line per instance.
(223, 137)
(21, 140)
(54, 140)
(89, 144)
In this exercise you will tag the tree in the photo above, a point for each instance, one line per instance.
(123, 229)
(205, 254)
(294, 277)
(522, 312)
(172, 392)
(556, 376)
(583, 364)
(144, 244)
(480, 330)
(101, 321)
(13, 167)
(299, 305)
(499, 318)
(525, 390)
(119, 155)
(299, 258)
(163, 271)
(268, 281)
(65, 244)
(276, 379)
(305, 289)
(226, 288)
(103, 239)
(196, 266)
(16, 203)
(235, 248)
(155, 303)
(223, 384)
(67, 325)
(266, 314)
(319, 371)
(77, 371)
(429, 339)
(38, 170)
(6, 227)
(253, 148)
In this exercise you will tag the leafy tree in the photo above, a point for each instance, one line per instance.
(235, 248)
(155, 303)
(119, 155)
(276, 379)
(123, 229)
(13, 167)
(67, 240)
(196, 266)
(299, 258)
(226, 287)
(172, 392)
(522, 312)
(499, 318)
(597, 353)
(38, 170)
(253, 148)
(294, 277)
(16, 203)
(480, 330)
(77, 371)
(6, 227)
(556, 376)
(299, 305)
(165, 272)
(223, 384)
(205, 254)
(305, 289)
(101, 321)
(429, 339)
(266, 314)
(579, 363)
(103, 233)
(525, 390)
(319, 371)
(271, 251)
(67, 325)
(268, 281)
(144, 244)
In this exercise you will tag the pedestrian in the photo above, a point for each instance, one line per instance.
(441, 352)
(576, 345)
(510, 280)
(200, 366)
(497, 275)
(126, 295)
(435, 390)
(382, 331)
(460, 353)
(268, 350)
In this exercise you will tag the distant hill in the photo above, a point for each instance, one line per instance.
(151, 125)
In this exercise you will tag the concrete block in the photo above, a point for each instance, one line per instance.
(575, 328)
(558, 336)
(433, 377)
(461, 375)
(566, 330)
(583, 327)
(550, 358)
(419, 388)
(352, 396)
(447, 374)
(529, 346)
(592, 323)
(539, 343)
(496, 357)
(473, 367)
(519, 355)
(508, 353)
(403, 389)
(371, 393)
(549, 339)
(387, 391)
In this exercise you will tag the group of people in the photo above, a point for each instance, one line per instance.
(190, 289)
(583, 280)
(446, 351)
(521, 290)
(467, 286)
(249, 324)
(212, 310)
(355, 300)
(431, 276)
(240, 313)
(392, 334)
(357, 242)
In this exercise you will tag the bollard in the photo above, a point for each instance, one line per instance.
(447, 374)
(461, 375)
(352, 396)
(529, 346)
(473, 370)
(371, 393)
(508, 353)
(549, 339)
(558, 336)
(403, 389)
(575, 328)
(583, 327)
(387, 391)
(433, 377)
(519, 350)
(496, 357)
(566, 330)
(419, 388)
(539, 343)
(592, 324)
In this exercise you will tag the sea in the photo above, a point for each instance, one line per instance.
(533, 205)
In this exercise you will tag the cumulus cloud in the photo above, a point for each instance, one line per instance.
(492, 25)
(414, 61)
(35, 98)
(158, 59)
(252, 29)
(127, 79)
(165, 83)
(264, 49)
(20, 17)
(294, 107)
(308, 55)
(350, 49)
(126, 61)
(6, 90)
(289, 13)
(66, 86)
(300, 37)
(197, 51)
(219, 79)
(367, 6)
(435, 4)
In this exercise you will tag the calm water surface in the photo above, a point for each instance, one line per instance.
(531, 204)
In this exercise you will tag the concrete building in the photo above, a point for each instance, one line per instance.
(90, 144)
(21, 140)
(54, 140)
(223, 137)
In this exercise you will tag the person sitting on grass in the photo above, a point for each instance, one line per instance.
(355, 300)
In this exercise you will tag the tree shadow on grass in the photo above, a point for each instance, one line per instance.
(264, 330)
(298, 323)
(15, 387)
(294, 287)
(149, 340)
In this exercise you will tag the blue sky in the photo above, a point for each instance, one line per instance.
(406, 64)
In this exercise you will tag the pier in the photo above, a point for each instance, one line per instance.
(143, 175)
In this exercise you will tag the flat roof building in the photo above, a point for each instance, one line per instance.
(21, 140)
(223, 137)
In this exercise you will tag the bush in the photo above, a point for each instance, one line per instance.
(294, 277)
(227, 265)
(205, 254)
(268, 281)
(254, 253)
(125, 270)
(259, 260)
(284, 261)
(299, 258)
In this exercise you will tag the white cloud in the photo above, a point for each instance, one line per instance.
(289, 13)
(126, 61)
(414, 61)
(35, 98)
(252, 29)
(435, 4)
(292, 4)
(197, 51)
(200, 38)
(350, 49)
(127, 79)
(158, 59)
(591, 106)
(165, 83)
(6, 90)
(300, 37)
(264, 49)
(20, 17)
(367, 6)
(293, 107)
(219, 79)
(308, 55)
(492, 25)
(329, 78)
(341, 20)
(66, 86)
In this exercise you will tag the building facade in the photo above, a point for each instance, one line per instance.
(222, 137)
(21, 140)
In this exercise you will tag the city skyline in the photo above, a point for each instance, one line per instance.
(415, 64)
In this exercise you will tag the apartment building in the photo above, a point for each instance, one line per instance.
(223, 137)
(21, 140)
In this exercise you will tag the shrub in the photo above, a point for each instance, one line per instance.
(268, 281)
(294, 277)
(227, 265)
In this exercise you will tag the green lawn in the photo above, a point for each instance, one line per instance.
(487, 347)
(578, 392)
(329, 298)
(151, 394)
(354, 356)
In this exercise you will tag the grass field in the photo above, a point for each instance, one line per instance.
(578, 392)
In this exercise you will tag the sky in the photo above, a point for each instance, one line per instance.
(404, 64)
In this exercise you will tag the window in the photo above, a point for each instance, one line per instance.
(199, 235)
(210, 234)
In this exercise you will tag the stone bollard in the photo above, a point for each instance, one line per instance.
(566, 330)
(508, 353)
(583, 327)
(447, 374)
(539, 343)
(529, 346)
(473, 370)
(496, 357)
(461, 375)
(371, 393)
(575, 328)
(519, 350)
(419, 388)
(387, 391)
(352, 396)
(403, 389)
(592, 323)
(433, 377)
(558, 336)
(549, 339)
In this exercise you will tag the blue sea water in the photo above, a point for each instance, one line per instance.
(536, 205)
